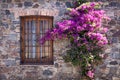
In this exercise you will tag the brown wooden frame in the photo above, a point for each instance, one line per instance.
(38, 59)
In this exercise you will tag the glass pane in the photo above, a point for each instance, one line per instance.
(46, 55)
(29, 55)
(26, 49)
(33, 26)
(41, 35)
(46, 43)
(29, 26)
(30, 42)
(41, 26)
(41, 51)
(26, 55)
(33, 52)
(30, 49)
(33, 49)
(26, 27)
(46, 50)
(26, 42)
(34, 36)
(33, 39)
(46, 25)
(33, 43)
(30, 37)
(26, 36)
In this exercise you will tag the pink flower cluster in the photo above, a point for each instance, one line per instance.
(84, 24)
(90, 74)
(84, 28)
(100, 38)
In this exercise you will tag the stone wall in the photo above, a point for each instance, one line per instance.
(10, 68)
(110, 69)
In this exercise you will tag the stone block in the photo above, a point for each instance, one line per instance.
(16, 22)
(3, 77)
(118, 22)
(9, 1)
(4, 69)
(116, 55)
(66, 68)
(113, 63)
(10, 62)
(110, 13)
(41, 1)
(116, 34)
(12, 37)
(112, 22)
(115, 78)
(68, 4)
(31, 74)
(114, 40)
(62, 12)
(47, 72)
(7, 12)
(11, 16)
(114, 4)
(56, 65)
(17, 29)
(35, 0)
(57, 4)
(115, 49)
(20, 5)
(28, 4)
(36, 6)
(98, 73)
(101, 0)
(10, 5)
(3, 1)
(113, 70)
(17, 0)
(15, 77)
(108, 76)
(5, 56)
(4, 5)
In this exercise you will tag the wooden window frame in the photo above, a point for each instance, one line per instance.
(22, 41)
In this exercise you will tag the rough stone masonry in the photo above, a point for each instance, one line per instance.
(10, 68)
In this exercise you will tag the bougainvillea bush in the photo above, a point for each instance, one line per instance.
(86, 34)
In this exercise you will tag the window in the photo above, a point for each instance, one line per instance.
(32, 29)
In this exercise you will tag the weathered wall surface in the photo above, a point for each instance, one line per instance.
(110, 70)
(10, 68)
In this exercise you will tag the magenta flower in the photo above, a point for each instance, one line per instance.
(90, 74)
(84, 29)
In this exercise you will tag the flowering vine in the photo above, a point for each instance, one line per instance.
(86, 34)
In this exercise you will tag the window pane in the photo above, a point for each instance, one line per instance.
(29, 26)
(30, 49)
(46, 25)
(47, 43)
(26, 55)
(34, 36)
(26, 27)
(30, 42)
(33, 26)
(33, 52)
(33, 43)
(41, 51)
(41, 26)
(33, 39)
